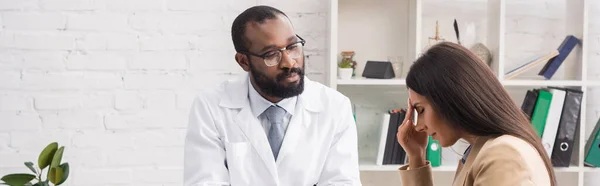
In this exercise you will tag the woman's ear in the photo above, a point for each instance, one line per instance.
(243, 61)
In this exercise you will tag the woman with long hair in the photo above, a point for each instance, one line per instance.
(456, 96)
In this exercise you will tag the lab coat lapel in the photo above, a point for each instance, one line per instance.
(237, 99)
(307, 108)
(257, 137)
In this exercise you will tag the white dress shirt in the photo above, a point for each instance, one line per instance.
(259, 104)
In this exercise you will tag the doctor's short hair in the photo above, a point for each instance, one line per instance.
(254, 14)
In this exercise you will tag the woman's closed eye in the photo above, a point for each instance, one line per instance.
(420, 110)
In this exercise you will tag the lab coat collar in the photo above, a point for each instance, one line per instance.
(237, 94)
(259, 104)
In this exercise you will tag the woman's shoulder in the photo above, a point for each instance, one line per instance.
(512, 153)
(505, 148)
(512, 143)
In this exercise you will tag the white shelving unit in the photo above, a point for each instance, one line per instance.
(513, 30)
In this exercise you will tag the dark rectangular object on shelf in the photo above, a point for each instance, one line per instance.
(378, 70)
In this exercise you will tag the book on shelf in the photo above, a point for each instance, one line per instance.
(555, 116)
(540, 59)
(564, 50)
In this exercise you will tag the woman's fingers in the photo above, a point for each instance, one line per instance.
(409, 112)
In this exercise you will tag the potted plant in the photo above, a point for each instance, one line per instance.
(346, 66)
(49, 158)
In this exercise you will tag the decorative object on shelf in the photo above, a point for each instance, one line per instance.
(436, 39)
(50, 157)
(483, 53)
(397, 65)
(456, 31)
(348, 56)
(345, 69)
(378, 70)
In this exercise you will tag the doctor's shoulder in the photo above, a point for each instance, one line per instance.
(328, 97)
(210, 95)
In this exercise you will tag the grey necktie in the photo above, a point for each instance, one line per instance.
(275, 116)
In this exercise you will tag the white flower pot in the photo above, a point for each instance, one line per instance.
(344, 73)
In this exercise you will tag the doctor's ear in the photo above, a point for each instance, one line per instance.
(243, 61)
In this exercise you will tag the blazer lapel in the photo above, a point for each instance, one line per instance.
(463, 170)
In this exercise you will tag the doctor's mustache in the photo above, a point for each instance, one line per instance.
(287, 72)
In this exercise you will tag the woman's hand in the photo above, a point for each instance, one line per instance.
(411, 140)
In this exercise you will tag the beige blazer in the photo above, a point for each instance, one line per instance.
(502, 161)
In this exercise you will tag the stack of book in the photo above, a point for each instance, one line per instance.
(554, 113)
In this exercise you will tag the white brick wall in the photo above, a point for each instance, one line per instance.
(113, 80)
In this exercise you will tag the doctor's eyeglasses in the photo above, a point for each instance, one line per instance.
(273, 57)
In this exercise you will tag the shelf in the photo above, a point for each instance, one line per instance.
(590, 169)
(368, 81)
(573, 169)
(542, 83)
(594, 83)
(373, 167)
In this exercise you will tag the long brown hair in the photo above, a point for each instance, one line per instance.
(464, 90)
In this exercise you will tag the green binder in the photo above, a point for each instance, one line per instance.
(592, 148)
(434, 152)
(540, 112)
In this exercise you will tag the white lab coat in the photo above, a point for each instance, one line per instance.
(226, 145)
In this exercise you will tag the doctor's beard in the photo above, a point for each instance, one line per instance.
(274, 87)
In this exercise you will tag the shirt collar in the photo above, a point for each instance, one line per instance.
(466, 154)
(259, 104)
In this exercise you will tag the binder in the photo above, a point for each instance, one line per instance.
(391, 133)
(529, 102)
(385, 120)
(399, 152)
(540, 112)
(434, 152)
(554, 115)
(567, 128)
(592, 148)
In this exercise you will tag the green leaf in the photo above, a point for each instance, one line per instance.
(65, 169)
(57, 157)
(46, 155)
(52, 174)
(56, 174)
(17, 179)
(30, 166)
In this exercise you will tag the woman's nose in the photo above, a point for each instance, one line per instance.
(420, 127)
